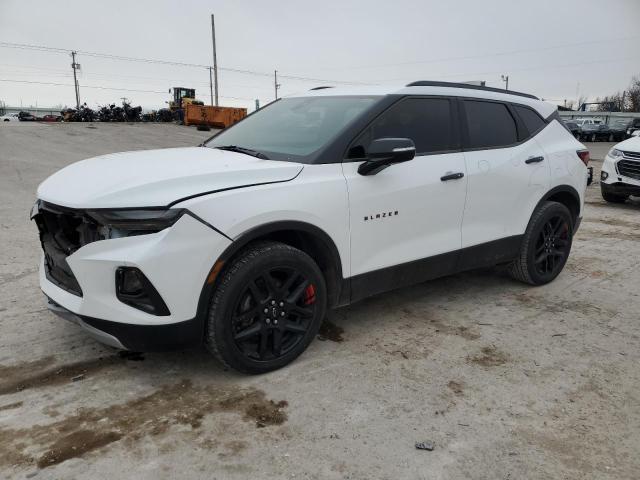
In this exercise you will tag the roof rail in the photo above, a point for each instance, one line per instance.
(428, 83)
(321, 88)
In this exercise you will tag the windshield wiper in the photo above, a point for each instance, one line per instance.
(246, 151)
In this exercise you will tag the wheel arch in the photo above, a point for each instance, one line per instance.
(307, 237)
(566, 195)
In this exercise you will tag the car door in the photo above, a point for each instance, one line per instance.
(507, 174)
(410, 211)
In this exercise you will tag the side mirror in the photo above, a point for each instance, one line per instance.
(384, 152)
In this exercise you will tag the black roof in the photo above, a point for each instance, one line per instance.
(429, 83)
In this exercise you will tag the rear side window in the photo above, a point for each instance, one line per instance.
(531, 119)
(426, 121)
(490, 124)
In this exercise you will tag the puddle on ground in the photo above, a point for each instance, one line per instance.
(92, 428)
(330, 331)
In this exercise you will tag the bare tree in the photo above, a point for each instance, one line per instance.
(610, 103)
(581, 99)
(632, 97)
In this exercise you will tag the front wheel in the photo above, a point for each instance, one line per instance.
(266, 309)
(546, 245)
(610, 197)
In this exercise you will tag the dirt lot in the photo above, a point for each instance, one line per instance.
(507, 381)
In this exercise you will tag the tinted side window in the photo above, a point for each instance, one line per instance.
(426, 121)
(490, 124)
(531, 119)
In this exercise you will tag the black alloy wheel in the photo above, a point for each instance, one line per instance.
(552, 246)
(545, 246)
(266, 308)
(273, 314)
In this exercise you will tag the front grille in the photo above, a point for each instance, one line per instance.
(62, 232)
(634, 155)
(629, 168)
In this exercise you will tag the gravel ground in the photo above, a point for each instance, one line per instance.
(507, 381)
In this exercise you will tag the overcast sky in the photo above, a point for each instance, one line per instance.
(553, 49)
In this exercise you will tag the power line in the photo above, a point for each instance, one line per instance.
(99, 87)
(25, 46)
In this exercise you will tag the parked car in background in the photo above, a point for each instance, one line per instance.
(633, 126)
(51, 118)
(620, 173)
(573, 127)
(618, 131)
(594, 132)
(26, 117)
(10, 117)
(312, 202)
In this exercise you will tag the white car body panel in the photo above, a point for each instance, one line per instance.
(561, 153)
(429, 211)
(497, 174)
(157, 177)
(317, 196)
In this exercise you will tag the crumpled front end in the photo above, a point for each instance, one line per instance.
(141, 287)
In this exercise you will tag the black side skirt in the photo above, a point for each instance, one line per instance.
(390, 278)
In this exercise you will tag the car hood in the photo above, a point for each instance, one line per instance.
(630, 144)
(158, 177)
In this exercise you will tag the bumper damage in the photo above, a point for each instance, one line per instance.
(137, 338)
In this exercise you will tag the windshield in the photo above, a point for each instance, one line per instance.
(293, 129)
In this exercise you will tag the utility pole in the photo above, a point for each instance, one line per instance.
(211, 83)
(215, 59)
(275, 83)
(505, 79)
(75, 66)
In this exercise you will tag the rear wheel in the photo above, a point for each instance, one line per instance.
(266, 309)
(546, 245)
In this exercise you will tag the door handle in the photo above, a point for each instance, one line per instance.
(534, 160)
(452, 176)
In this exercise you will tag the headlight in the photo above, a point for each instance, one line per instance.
(135, 221)
(614, 153)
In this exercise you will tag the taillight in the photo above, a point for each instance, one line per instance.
(584, 156)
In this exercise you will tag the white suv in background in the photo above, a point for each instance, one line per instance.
(316, 201)
(620, 174)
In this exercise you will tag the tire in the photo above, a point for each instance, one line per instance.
(260, 317)
(546, 245)
(611, 197)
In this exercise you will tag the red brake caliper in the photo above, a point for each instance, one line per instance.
(309, 295)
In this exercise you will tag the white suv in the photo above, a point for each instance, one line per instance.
(620, 174)
(316, 201)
